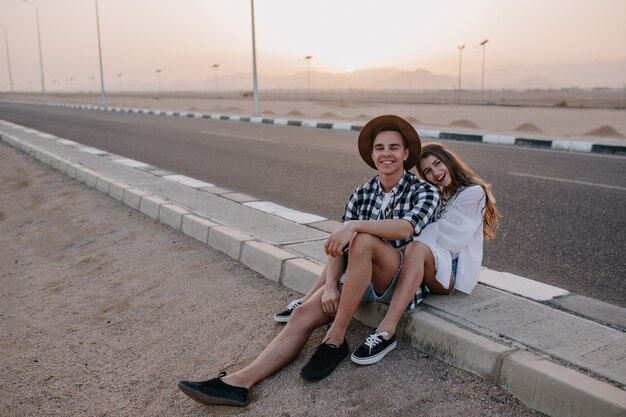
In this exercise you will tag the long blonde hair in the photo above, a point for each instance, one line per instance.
(462, 176)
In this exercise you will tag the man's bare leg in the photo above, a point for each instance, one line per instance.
(285, 346)
(370, 260)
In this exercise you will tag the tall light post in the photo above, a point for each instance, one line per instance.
(482, 80)
(215, 67)
(103, 97)
(93, 83)
(6, 40)
(43, 82)
(460, 48)
(158, 73)
(308, 74)
(119, 76)
(255, 89)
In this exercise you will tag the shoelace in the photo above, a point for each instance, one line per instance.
(374, 339)
(292, 305)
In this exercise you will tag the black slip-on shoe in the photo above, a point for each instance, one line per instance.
(374, 348)
(215, 392)
(284, 315)
(324, 361)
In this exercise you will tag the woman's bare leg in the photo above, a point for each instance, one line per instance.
(285, 346)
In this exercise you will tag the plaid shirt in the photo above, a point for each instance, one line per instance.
(411, 199)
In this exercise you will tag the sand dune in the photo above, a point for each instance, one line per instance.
(605, 131)
(528, 128)
(465, 123)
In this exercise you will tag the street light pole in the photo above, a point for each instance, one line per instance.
(158, 73)
(215, 67)
(119, 74)
(6, 40)
(482, 81)
(460, 48)
(43, 82)
(103, 97)
(308, 74)
(255, 89)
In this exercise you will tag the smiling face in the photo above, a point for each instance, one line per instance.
(435, 171)
(389, 153)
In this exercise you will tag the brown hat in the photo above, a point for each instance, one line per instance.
(366, 138)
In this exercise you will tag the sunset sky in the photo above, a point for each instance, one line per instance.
(185, 38)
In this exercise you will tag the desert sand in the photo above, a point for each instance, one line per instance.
(535, 119)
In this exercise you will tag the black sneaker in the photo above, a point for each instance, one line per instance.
(324, 361)
(374, 349)
(283, 316)
(215, 392)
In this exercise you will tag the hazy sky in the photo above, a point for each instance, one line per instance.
(185, 38)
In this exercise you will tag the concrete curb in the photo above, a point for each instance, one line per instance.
(543, 143)
(539, 382)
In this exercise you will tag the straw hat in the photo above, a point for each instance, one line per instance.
(371, 128)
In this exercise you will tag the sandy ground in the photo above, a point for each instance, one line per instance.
(596, 125)
(102, 310)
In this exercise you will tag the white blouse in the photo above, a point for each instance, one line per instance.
(458, 232)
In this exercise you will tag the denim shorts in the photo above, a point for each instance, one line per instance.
(455, 263)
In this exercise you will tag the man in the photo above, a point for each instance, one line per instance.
(381, 216)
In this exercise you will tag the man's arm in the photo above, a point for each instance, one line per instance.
(389, 229)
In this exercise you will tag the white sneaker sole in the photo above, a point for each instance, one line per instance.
(373, 359)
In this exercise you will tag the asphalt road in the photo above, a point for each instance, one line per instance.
(564, 212)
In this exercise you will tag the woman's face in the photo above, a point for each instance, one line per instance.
(435, 171)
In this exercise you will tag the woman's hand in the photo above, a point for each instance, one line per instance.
(330, 300)
(339, 239)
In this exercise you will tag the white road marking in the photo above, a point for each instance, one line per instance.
(208, 132)
(593, 184)
(130, 162)
(519, 285)
(93, 151)
(284, 212)
(188, 181)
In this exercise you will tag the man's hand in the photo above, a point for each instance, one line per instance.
(330, 300)
(339, 239)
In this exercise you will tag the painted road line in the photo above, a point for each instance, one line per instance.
(592, 184)
(284, 212)
(188, 181)
(130, 162)
(208, 132)
(67, 142)
(515, 284)
(93, 151)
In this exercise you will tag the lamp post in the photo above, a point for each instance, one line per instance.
(482, 80)
(255, 89)
(119, 76)
(103, 97)
(93, 84)
(158, 73)
(215, 67)
(43, 82)
(6, 40)
(308, 74)
(460, 48)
